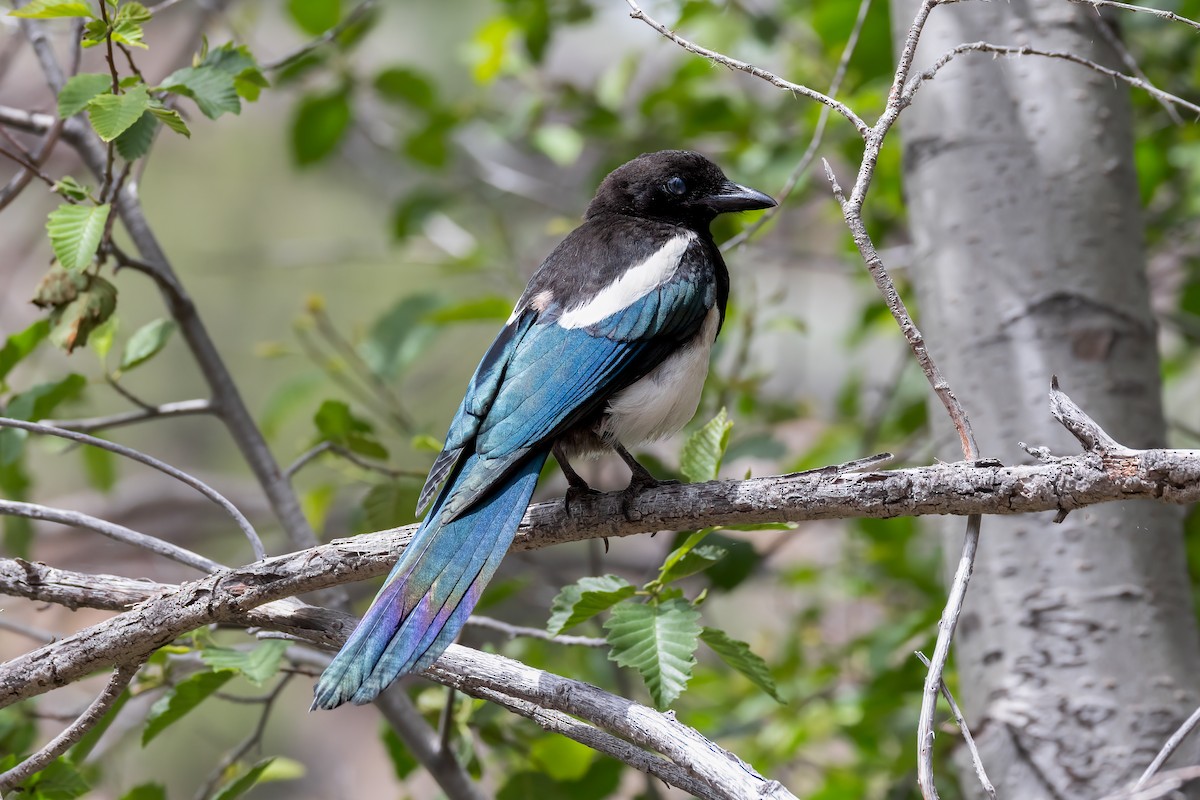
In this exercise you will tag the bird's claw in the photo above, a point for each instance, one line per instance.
(634, 490)
(575, 494)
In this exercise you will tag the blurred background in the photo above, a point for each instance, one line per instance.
(357, 235)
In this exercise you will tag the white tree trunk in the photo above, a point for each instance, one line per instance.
(1078, 650)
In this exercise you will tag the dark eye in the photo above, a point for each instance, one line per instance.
(676, 185)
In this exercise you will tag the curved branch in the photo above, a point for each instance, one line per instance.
(121, 677)
(181, 408)
(140, 457)
(112, 530)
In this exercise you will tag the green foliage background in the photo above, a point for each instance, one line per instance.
(354, 237)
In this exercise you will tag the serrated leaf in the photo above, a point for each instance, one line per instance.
(237, 62)
(136, 140)
(244, 783)
(75, 233)
(113, 114)
(257, 665)
(79, 90)
(19, 345)
(695, 560)
(73, 323)
(586, 598)
(738, 655)
(169, 117)
(127, 25)
(146, 342)
(659, 641)
(318, 126)
(50, 9)
(392, 504)
(704, 449)
(146, 791)
(180, 699)
(71, 189)
(315, 16)
(210, 88)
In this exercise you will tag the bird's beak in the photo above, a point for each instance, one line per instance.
(735, 197)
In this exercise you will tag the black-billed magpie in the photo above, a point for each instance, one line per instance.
(608, 346)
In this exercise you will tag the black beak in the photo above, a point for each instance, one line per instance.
(735, 197)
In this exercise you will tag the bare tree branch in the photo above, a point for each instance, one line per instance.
(515, 631)
(1170, 16)
(1172, 744)
(328, 36)
(112, 530)
(980, 772)
(150, 461)
(121, 677)
(180, 408)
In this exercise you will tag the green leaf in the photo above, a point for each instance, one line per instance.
(72, 323)
(489, 308)
(41, 400)
(320, 122)
(704, 449)
(257, 665)
(75, 233)
(19, 345)
(695, 560)
(58, 781)
(412, 211)
(237, 62)
(408, 86)
(737, 654)
(397, 337)
(562, 144)
(49, 9)
(392, 504)
(127, 26)
(79, 90)
(403, 761)
(146, 342)
(103, 336)
(245, 783)
(146, 791)
(71, 189)
(113, 114)
(179, 700)
(659, 641)
(136, 140)
(100, 467)
(561, 758)
(586, 598)
(211, 88)
(315, 16)
(169, 117)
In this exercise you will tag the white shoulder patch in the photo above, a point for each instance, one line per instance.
(637, 282)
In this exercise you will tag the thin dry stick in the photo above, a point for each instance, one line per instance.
(328, 36)
(966, 732)
(514, 631)
(742, 66)
(121, 677)
(818, 136)
(1026, 50)
(140, 457)
(181, 408)
(1114, 41)
(1167, 15)
(112, 530)
(1170, 747)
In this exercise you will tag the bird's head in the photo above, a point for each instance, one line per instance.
(676, 186)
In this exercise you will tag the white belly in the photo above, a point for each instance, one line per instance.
(666, 399)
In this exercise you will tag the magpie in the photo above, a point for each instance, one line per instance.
(607, 347)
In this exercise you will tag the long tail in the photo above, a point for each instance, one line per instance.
(432, 589)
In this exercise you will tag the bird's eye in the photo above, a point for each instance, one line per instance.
(676, 185)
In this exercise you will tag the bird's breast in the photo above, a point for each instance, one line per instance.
(665, 400)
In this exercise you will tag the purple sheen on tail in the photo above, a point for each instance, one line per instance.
(439, 578)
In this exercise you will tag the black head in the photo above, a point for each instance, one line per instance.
(676, 186)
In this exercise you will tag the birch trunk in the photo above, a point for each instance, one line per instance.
(1077, 653)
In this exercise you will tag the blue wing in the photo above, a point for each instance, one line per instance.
(539, 379)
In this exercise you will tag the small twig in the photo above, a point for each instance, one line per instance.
(1169, 748)
(814, 143)
(19, 181)
(121, 677)
(116, 90)
(1026, 50)
(179, 408)
(446, 724)
(328, 36)
(1163, 785)
(515, 631)
(966, 732)
(1082, 426)
(1170, 16)
(742, 66)
(349, 455)
(28, 631)
(1114, 41)
(112, 530)
(140, 457)
(27, 164)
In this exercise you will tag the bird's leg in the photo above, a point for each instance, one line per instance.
(639, 481)
(577, 487)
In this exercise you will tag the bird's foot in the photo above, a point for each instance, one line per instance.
(576, 493)
(638, 484)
